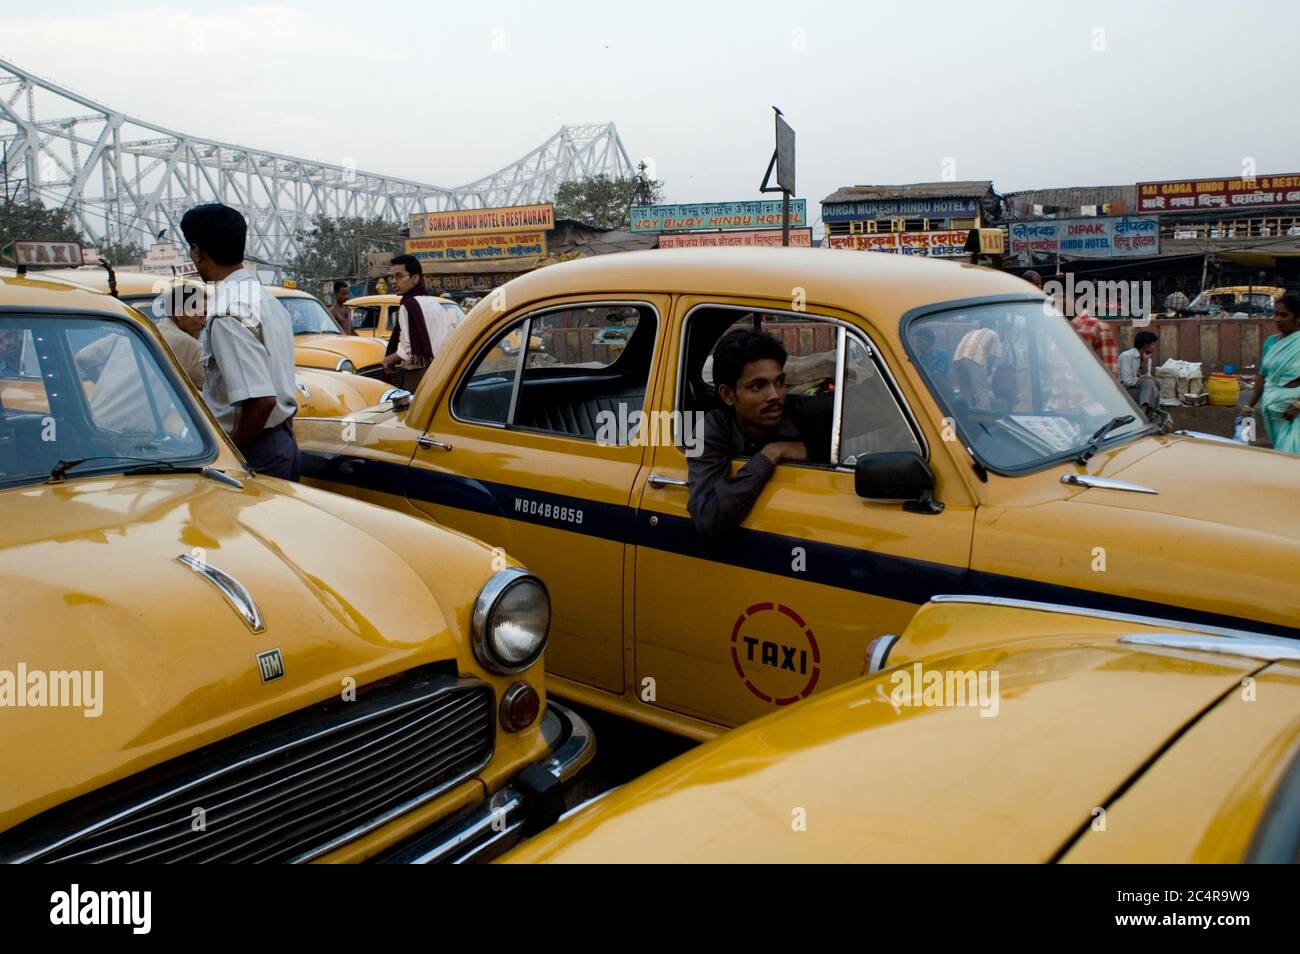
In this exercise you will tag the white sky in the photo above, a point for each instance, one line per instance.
(878, 92)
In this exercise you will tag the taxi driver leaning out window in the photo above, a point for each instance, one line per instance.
(758, 420)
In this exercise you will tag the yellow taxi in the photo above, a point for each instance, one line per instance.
(996, 732)
(318, 343)
(1041, 481)
(1253, 300)
(375, 316)
(333, 394)
(198, 665)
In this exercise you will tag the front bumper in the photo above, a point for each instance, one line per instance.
(531, 802)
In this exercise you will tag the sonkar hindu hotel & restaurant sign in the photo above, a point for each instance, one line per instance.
(478, 221)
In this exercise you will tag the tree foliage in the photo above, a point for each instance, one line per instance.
(32, 221)
(120, 254)
(604, 201)
(336, 248)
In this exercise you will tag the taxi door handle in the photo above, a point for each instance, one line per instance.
(654, 480)
(430, 442)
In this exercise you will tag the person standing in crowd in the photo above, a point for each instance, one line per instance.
(1098, 336)
(1034, 279)
(422, 324)
(181, 324)
(934, 359)
(1135, 373)
(1277, 387)
(248, 354)
(974, 362)
(340, 310)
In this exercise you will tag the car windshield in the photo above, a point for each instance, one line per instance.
(309, 317)
(76, 387)
(1020, 385)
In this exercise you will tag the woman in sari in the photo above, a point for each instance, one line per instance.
(1277, 391)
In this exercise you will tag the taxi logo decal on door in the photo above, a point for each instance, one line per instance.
(775, 653)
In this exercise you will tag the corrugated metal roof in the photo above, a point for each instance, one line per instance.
(571, 234)
(975, 188)
(1076, 196)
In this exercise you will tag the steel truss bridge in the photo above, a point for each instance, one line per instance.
(126, 179)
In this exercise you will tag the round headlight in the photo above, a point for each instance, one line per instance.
(346, 366)
(511, 621)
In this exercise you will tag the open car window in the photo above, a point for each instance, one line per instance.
(567, 372)
(365, 317)
(853, 400)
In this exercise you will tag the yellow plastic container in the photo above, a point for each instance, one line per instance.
(1224, 389)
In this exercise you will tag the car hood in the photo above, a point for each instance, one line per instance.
(1251, 488)
(853, 776)
(93, 584)
(1221, 534)
(333, 394)
(362, 352)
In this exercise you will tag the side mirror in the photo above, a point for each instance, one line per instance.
(399, 397)
(897, 475)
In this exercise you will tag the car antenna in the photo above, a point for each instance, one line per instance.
(112, 276)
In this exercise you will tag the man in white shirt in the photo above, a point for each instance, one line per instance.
(248, 351)
(1135, 373)
(423, 324)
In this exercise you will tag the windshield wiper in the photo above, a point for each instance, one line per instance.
(146, 465)
(1094, 442)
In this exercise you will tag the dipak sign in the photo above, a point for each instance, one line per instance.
(1091, 237)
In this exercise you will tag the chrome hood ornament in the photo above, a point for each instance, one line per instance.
(236, 593)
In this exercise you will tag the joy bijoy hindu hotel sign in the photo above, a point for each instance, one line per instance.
(716, 215)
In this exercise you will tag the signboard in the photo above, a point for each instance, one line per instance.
(166, 258)
(1207, 195)
(784, 155)
(377, 263)
(866, 210)
(473, 281)
(799, 237)
(67, 254)
(717, 215)
(1095, 237)
(931, 244)
(530, 218)
(986, 242)
(477, 248)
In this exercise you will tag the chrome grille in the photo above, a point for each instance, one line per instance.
(375, 371)
(287, 791)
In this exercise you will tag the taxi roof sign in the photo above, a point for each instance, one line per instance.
(53, 254)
